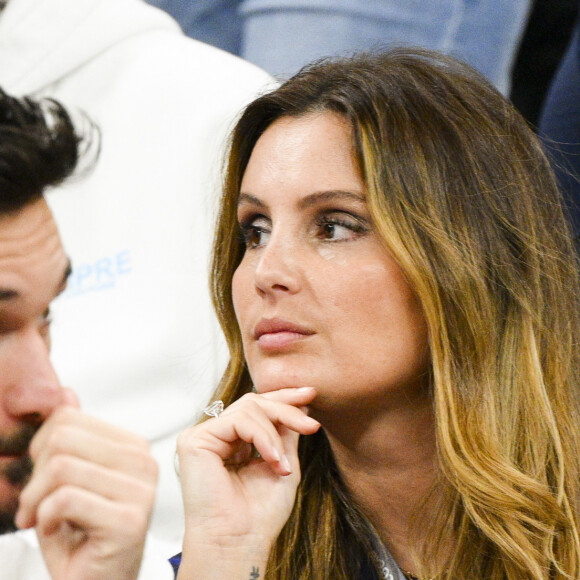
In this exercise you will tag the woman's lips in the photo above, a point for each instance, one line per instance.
(276, 334)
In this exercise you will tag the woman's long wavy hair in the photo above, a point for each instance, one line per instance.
(465, 201)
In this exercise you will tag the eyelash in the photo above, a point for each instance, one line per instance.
(353, 224)
(247, 229)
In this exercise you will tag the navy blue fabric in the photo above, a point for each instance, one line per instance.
(560, 127)
(175, 561)
(367, 571)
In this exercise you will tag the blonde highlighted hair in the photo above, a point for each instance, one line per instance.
(464, 199)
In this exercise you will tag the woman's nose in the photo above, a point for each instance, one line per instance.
(278, 267)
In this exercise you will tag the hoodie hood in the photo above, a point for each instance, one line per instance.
(43, 41)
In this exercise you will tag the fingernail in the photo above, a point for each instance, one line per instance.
(275, 454)
(285, 464)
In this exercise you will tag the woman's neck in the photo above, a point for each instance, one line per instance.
(387, 461)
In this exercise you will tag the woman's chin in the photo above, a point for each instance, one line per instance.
(275, 375)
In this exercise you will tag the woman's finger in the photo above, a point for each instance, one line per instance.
(253, 420)
(269, 413)
(233, 439)
(291, 396)
(278, 410)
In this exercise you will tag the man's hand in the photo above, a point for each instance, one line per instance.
(90, 497)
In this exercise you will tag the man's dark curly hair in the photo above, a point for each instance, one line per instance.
(39, 148)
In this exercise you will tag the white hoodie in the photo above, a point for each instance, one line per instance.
(21, 559)
(135, 334)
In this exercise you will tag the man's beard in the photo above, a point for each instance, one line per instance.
(17, 472)
(7, 524)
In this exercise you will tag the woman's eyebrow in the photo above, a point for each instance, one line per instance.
(331, 195)
(248, 198)
(309, 200)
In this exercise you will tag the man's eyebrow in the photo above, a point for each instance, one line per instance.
(66, 275)
(7, 294)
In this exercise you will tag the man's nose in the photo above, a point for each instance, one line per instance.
(31, 388)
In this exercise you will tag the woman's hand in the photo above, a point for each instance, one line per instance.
(237, 503)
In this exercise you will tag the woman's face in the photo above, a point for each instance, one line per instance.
(319, 300)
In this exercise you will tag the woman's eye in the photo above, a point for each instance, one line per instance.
(253, 237)
(254, 232)
(339, 229)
